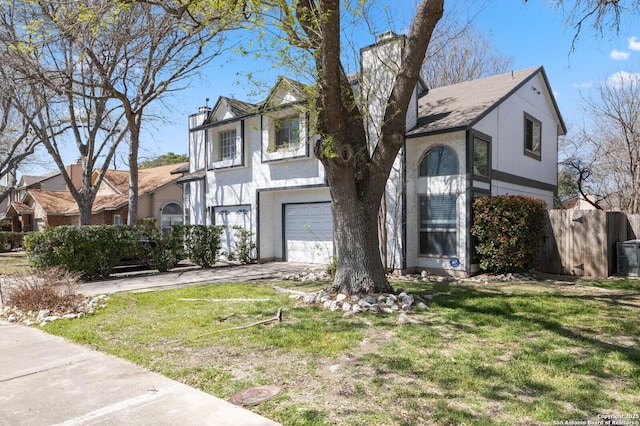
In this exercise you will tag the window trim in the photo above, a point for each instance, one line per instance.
(288, 120)
(530, 152)
(473, 135)
(429, 151)
(227, 138)
(214, 147)
(453, 230)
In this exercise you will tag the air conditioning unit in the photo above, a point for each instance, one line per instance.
(629, 258)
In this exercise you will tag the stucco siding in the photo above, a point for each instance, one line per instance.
(419, 186)
(505, 125)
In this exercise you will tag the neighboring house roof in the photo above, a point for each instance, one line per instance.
(54, 202)
(460, 106)
(118, 180)
(27, 180)
(19, 208)
(63, 203)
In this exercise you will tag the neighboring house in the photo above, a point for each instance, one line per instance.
(252, 165)
(578, 202)
(159, 197)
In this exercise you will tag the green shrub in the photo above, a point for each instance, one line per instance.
(91, 251)
(509, 232)
(244, 247)
(202, 244)
(160, 250)
(10, 240)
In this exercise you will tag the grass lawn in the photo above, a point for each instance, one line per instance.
(13, 262)
(484, 354)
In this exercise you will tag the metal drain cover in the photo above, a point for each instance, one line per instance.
(255, 395)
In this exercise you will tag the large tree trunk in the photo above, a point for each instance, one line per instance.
(134, 132)
(355, 212)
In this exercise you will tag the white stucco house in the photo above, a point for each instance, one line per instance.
(252, 165)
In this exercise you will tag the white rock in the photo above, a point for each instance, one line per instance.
(69, 316)
(424, 274)
(356, 309)
(309, 298)
(12, 318)
(51, 318)
(340, 297)
(406, 307)
(420, 306)
(346, 306)
(370, 299)
(386, 310)
(43, 314)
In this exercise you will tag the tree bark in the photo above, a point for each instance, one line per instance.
(355, 222)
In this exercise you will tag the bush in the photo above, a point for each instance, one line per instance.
(509, 232)
(244, 247)
(50, 288)
(202, 244)
(10, 240)
(91, 251)
(158, 250)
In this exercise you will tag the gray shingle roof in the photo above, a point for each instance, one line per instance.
(460, 106)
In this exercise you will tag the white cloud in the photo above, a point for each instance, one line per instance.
(621, 78)
(584, 85)
(619, 56)
(634, 43)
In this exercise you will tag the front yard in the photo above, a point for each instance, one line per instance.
(483, 354)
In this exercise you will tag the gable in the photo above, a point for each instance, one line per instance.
(285, 91)
(229, 108)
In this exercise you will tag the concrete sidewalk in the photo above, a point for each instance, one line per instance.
(46, 380)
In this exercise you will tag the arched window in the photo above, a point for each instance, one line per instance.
(439, 161)
(171, 215)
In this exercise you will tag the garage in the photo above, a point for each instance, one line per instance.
(308, 232)
(230, 216)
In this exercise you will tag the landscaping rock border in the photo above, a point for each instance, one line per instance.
(85, 306)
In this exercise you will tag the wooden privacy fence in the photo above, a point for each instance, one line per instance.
(584, 242)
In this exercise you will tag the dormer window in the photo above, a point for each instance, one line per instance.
(287, 132)
(227, 146)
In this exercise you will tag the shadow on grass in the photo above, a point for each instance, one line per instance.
(455, 298)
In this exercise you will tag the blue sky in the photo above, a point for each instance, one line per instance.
(531, 33)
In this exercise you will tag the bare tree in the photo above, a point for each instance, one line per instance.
(357, 170)
(605, 161)
(160, 45)
(17, 141)
(107, 61)
(70, 98)
(459, 52)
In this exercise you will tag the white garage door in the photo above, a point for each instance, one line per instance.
(308, 232)
(230, 216)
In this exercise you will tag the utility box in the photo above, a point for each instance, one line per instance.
(629, 258)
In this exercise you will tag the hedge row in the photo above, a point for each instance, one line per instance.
(509, 232)
(10, 240)
(95, 251)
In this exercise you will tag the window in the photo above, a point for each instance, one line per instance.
(481, 157)
(532, 136)
(171, 214)
(287, 132)
(117, 219)
(438, 225)
(439, 161)
(227, 145)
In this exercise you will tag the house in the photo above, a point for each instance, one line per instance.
(252, 165)
(52, 204)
